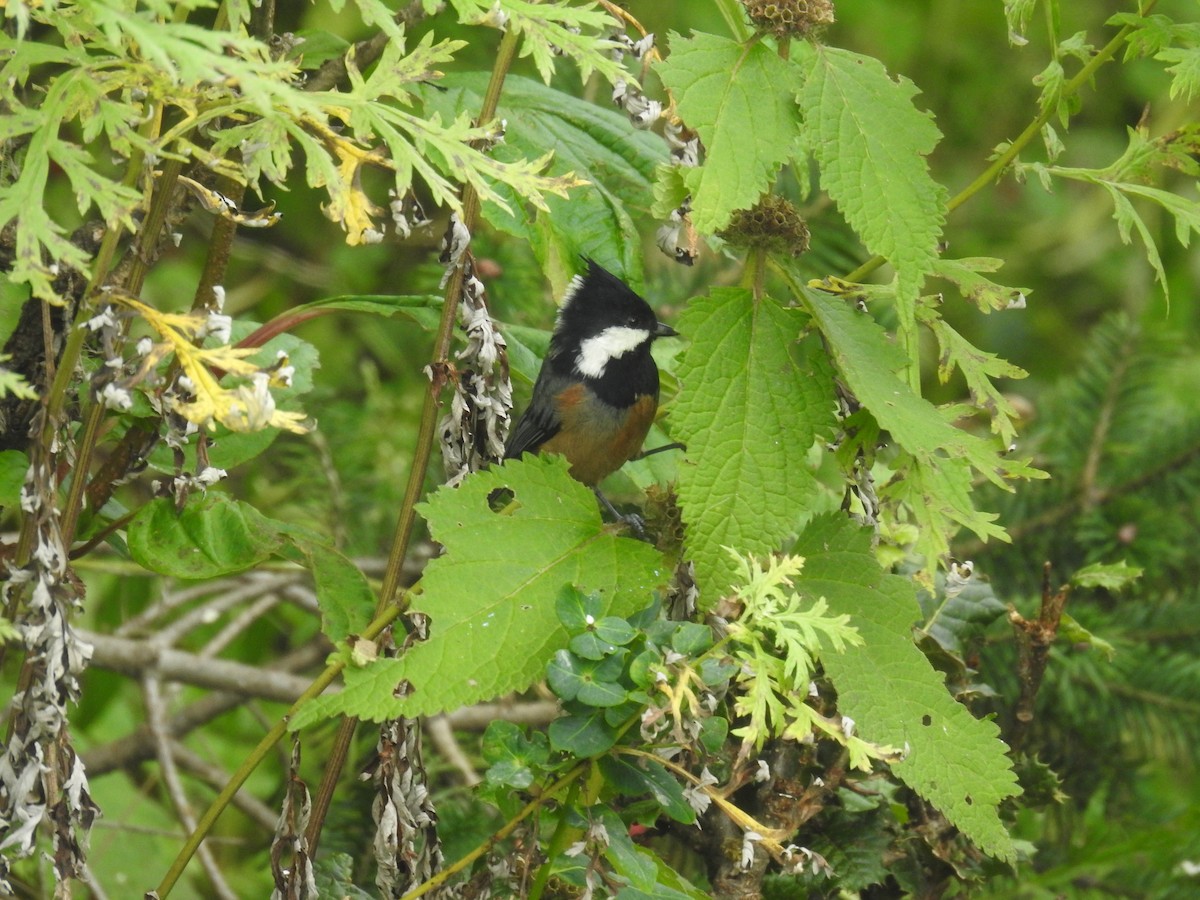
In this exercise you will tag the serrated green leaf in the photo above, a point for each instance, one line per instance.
(214, 535)
(725, 91)
(870, 143)
(978, 368)
(1185, 73)
(1017, 13)
(491, 596)
(955, 761)
(748, 413)
(939, 484)
(334, 875)
(550, 31)
(1110, 576)
(968, 274)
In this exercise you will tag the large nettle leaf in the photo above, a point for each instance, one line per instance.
(513, 537)
(870, 143)
(955, 761)
(741, 99)
(749, 411)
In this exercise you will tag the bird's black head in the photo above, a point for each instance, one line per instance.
(601, 320)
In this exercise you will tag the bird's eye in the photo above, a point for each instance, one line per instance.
(632, 321)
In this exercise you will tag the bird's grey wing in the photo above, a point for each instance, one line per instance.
(540, 421)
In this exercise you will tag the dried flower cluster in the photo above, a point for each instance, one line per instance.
(473, 432)
(789, 18)
(41, 777)
(407, 849)
(773, 224)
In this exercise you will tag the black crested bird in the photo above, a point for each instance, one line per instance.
(597, 393)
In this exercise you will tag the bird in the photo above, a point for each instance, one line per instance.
(597, 392)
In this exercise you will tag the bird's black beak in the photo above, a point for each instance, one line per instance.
(661, 330)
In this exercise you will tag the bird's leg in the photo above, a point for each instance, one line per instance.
(632, 520)
(674, 445)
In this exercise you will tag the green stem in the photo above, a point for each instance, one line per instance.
(441, 348)
(1002, 162)
(204, 826)
(151, 228)
(735, 20)
(508, 828)
(558, 843)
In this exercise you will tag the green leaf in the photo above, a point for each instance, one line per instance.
(938, 484)
(423, 309)
(334, 874)
(317, 46)
(1185, 73)
(1110, 576)
(978, 368)
(955, 761)
(727, 91)
(640, 776)
(491, 596)
(582, 736)
(1017, 13)
(214, 535)
(550, 31)
(968, 275)
(13, 466)
(512, 755)
(591, 682)
(575, 609)
(12, 384)
(595, 144)
(1071, 631)
(748, 412)
(345, 598)
(691, 639)
(603, 639)
(955, 610)
(870, 143)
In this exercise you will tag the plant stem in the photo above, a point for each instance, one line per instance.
(206, 822)
(143, 253)
(1001, 162)
(508, 828)
(422, 453)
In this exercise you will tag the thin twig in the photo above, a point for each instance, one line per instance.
(256, 756)
(442, 734)
(156, 719)
(136, 657)
(138, 746)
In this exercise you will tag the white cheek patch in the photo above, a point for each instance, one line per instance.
(613, 342)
